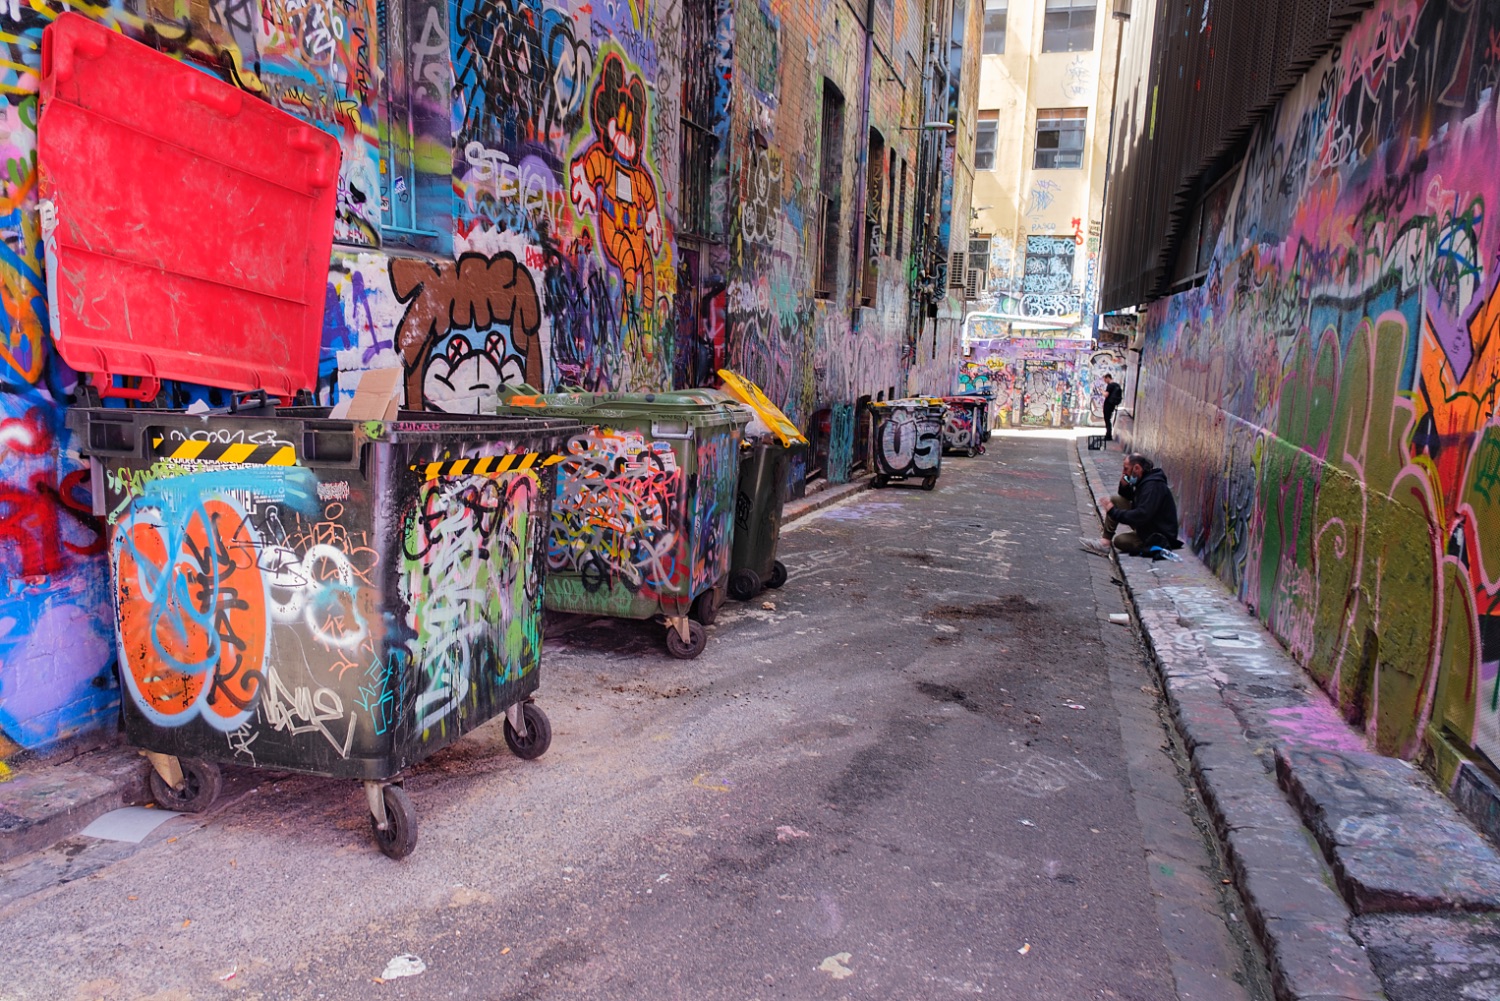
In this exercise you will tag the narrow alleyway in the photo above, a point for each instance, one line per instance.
(929, 766)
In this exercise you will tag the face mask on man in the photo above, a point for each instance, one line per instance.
(1132, 479)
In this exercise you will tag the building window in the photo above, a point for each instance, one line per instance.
(901, 213)
(699, 144)
(415, 204)
(995, 12)
(874, 193)
(979, 267)
(1069, 25)
(984, 140)
(1059, 138)
(830, 181)
(890, 206)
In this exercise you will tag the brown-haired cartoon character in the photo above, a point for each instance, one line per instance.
(610, 180)
(467, 298)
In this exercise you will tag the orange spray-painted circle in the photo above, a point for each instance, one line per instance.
(192, 613)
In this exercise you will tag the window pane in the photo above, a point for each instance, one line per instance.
(984, 145)
(1055, 27)
(994, 32)
(1060, 137)
(1082, 35)
(1068, 26)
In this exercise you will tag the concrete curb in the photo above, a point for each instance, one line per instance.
(805, 506)
(1198, 641)
(43, 802)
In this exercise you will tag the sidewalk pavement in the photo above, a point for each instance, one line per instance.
(1360, 878)
(46, 799)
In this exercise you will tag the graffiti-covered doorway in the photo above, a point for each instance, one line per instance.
(700, 322)
(1045, 387)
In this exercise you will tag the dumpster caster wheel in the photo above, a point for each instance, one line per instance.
(705, 608)
(880, 481)
(929, 483)
(400, 834)
(973, 452)
(538, 733)
(200, 787)
(697, 640)
(778, 575)
(744, 585)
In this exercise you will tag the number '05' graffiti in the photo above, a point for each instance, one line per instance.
(909, 443)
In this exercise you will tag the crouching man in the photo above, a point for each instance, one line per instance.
(1142, 515)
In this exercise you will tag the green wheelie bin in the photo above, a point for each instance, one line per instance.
(758, 505)
(760, 498)
(643, 519)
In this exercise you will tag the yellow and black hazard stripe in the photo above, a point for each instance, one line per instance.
(490, 465)
(241, 453)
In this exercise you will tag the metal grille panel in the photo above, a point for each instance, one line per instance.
(1186, 104)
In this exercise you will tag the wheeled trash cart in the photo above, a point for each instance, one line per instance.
(332, 596)
(906, 441)
(643, 520)
(765, 460)
(323, 596)
(964, 425)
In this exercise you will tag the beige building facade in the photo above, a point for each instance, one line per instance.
(1030, 268)
(1045, 80)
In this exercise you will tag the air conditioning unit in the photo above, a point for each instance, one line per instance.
(956, 270)
(973, 284)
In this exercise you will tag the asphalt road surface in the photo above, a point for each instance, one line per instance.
(928, 767)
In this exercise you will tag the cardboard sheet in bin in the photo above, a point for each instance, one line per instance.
(187, 225)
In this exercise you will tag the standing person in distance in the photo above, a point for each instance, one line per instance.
(1113, 394)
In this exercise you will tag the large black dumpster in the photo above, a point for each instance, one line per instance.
(906, 440)
(642, 522)
(965, 425)
(334, 597)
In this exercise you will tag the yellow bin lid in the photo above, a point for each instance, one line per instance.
(750, 395)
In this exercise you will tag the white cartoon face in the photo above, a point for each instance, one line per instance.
(464, 379)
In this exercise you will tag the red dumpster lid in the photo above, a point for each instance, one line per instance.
(187, 225)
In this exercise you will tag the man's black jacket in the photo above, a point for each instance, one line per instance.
(1112, 397)
(1152, 512)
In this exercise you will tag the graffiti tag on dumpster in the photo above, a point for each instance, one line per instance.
(909, 444)
(618, 514)
(473, 594)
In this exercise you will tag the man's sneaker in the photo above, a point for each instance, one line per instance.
(1096, 546)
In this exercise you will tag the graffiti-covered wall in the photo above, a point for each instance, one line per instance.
(1325, 404)
(1053, 381)
(505, 213)
(808, 349)
(615, 196)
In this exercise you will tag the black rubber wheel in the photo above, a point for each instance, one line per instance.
(881, 480)
(972, 452)
(200, 787)
(697, 640)
(400, 835)
(929, 483)
(744, 585)
(778, 575)
(538, 733)
(706, 607)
